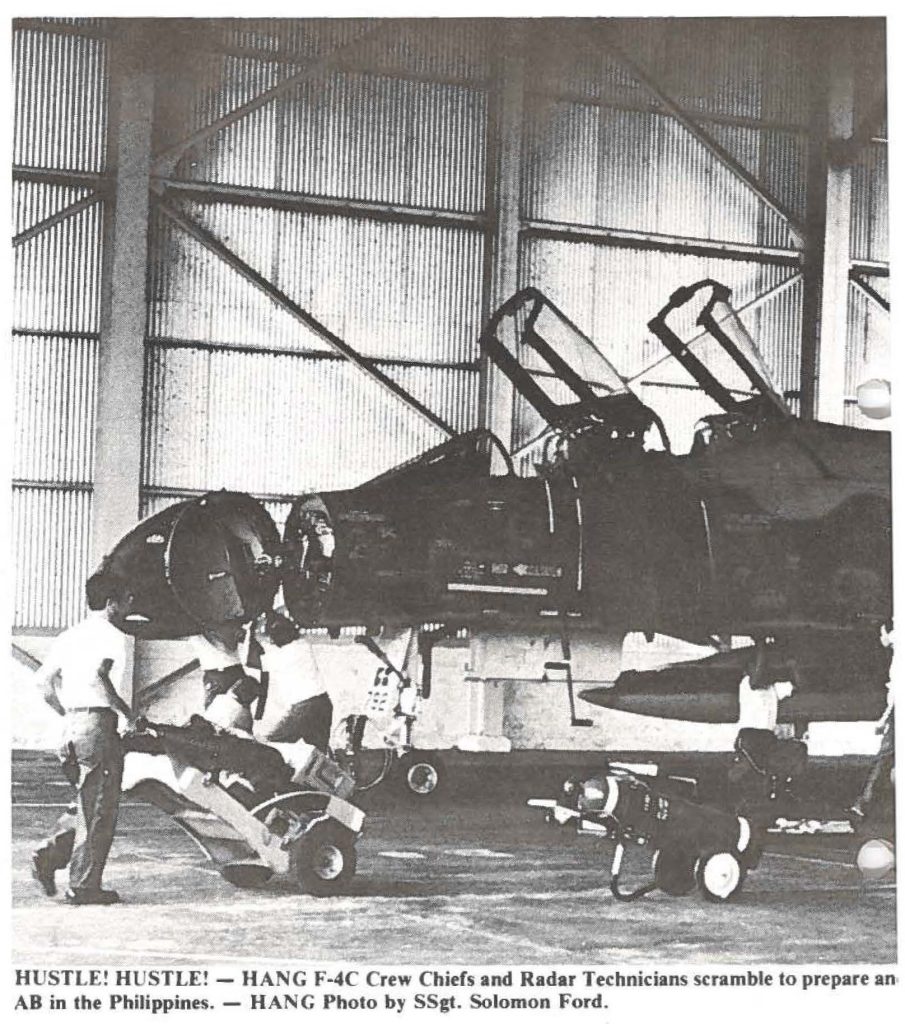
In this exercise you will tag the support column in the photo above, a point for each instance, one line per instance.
(826, 261)
(123, 303)
(837, 239)
(484, 709)
(504, 166)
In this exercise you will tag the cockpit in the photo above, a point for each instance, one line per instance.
(706, 336)
(571, 402)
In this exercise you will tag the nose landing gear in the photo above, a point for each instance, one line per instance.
(415, 773)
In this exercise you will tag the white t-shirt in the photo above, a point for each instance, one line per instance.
(294, 674)
(77, 654)
(759, 708)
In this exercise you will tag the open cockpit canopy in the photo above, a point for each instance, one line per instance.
(706, 336)
(562, 380)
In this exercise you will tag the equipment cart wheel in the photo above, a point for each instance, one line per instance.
(325, 859)
(674, 870)
(719, 875)
(420, 774)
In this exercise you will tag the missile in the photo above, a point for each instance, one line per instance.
(712, 704)
(835, 680)
(661, 701)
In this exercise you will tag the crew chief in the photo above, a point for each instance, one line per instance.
(81, 679)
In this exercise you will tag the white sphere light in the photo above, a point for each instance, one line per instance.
(874, 398)
(876, 858)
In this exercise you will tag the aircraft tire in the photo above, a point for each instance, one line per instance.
(326, 859)
(420, 775)
(674, 870)
(720, 875)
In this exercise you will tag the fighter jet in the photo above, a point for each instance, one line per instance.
(771, 527)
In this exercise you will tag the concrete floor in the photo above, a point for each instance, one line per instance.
(461, 881)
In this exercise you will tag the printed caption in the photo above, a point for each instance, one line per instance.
(444, 991)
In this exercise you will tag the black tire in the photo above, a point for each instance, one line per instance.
(719, 875)
(368, 767)
(674, 870)
(420, 775)
(325, 859)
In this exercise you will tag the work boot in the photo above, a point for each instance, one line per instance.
(42, 871)
(86, 897)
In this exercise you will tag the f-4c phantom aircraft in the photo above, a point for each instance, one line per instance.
(771, 527)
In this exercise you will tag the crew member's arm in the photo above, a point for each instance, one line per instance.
(116, 702)
(48, 685)
(48, 677)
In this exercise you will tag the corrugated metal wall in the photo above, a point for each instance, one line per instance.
(642, 171)
(396, 290)
(60, 100)
(362, 194)
(60, 126)
(258, 393)
(599, 153)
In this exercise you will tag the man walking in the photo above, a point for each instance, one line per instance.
(81, 679)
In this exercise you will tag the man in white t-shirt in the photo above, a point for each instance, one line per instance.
(81, 679)
(297, 705)
(759, 705)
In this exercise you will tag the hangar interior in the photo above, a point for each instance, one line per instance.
(200, 206)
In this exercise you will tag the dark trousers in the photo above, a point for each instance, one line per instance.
(93, 762)
(310, 720)
(219, 680)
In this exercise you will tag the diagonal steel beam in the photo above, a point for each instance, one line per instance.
(56, 176)
(211, 242)
(330, 61)
(55, 218)
(707, 141)
(868, 290)
(165, 682)
(24, 658)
